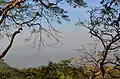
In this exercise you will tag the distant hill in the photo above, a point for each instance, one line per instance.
(7, 72)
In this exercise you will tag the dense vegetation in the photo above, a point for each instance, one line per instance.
(62, 70)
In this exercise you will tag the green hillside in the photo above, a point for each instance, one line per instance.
(62, 70)
(7, 72)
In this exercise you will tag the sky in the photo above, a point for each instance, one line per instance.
(22, 54)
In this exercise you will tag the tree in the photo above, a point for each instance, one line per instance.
(31, 13)
(104, 24)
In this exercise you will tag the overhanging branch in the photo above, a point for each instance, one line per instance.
(10, 44)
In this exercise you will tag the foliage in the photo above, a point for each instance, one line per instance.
(104, 25)
(62, 70)
(7, 72)
(33, 13)
(36, 15)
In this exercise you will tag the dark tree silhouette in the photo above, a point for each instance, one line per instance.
(32, 13)
(104, 24)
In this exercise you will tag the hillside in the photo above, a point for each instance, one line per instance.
(7, 72)
(62, 70)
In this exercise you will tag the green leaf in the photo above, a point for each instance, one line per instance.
(2, 2)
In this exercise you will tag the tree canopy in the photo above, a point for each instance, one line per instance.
(37, 15)
(103, 24)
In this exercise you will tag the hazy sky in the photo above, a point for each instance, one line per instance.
(23, 55)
